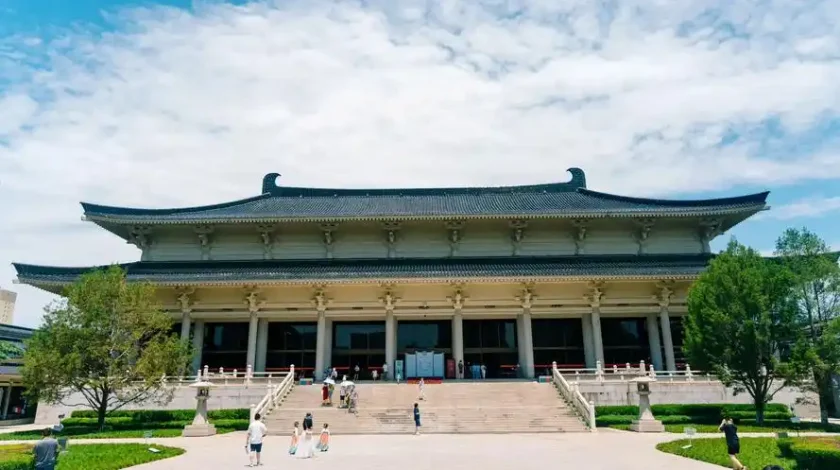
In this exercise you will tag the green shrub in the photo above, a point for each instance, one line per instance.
(812, 453)
(162, 416)
(16, 457)
(700, 413)
(235, 424)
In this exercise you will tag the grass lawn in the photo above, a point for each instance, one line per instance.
(756, 452)
(713, 428)
(88, 456)
(93, 433)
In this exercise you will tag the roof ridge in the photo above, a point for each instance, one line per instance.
(758, 198)
(270, 186)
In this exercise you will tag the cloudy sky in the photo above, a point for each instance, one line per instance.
(174, 103)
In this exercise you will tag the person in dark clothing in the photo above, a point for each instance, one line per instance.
(46, 451)
(733, 444)
(460, 369)
(307, 422)
(416, 419)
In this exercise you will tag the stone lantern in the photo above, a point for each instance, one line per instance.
(200, 426)
(646, 422)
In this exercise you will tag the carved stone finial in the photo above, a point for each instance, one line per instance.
(709, 229)
(455, 227)
(458, 298)
(266, 232)
(580, 226)
(388, 299)
(518, 227)
(139, 236)
(391, 229)
(595, 294)
(526, 298)
(185, 298)
(319, 298)
(328, 230)
(644, 225)
(204, 232)
(665, 291)
(253, 300)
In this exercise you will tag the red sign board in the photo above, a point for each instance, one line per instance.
(450, 368)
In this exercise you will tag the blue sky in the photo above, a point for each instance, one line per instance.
(146, 103)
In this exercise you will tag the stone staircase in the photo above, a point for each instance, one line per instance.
(451, 407)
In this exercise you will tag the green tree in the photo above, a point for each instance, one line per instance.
(740, 319)
(108, 342)
(9, 350)
(816, 293)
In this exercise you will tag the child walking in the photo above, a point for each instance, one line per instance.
(733, 444)
(295, 439)
(324, 441)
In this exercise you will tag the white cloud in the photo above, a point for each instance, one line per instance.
(184, 108)
(811, 207)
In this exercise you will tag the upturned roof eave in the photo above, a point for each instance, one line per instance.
(116, 219)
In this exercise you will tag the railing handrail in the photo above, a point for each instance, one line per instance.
(274, 394)
(573, 396)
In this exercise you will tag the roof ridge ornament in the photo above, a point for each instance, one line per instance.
(269, 184)
(578, 178)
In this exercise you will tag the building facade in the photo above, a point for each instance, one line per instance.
(500, 276)
(7, 306)
(13, 403)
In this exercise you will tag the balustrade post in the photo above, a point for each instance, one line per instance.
(688, 375)
(249, 374)
(652, 372)
(206, 372)
(627, 367)
(253, 412)
(642, 367)
(599, 371)
(235, 374)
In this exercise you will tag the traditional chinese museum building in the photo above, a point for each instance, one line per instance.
(498, 276)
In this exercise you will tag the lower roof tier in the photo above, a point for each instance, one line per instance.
(583, 267)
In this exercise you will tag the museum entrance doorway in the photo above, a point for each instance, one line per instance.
(491, 343)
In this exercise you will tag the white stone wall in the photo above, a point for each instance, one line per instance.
(222, 397)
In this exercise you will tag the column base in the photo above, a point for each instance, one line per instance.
(647, 425)
(199, 430)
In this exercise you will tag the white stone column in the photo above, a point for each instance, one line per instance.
(197, 345)
(520, 342)
(328, 342)
(7, 397)
(588, 341)
(595, 296)
(665, 293)
(320, 345)
(252, 339)
(528, 346)
(457, 339)
(597, 339)
(262, 345)
(391, 342)
(655, 345)
(185, 327)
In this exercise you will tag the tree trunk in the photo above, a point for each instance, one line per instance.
(825, 392)
(103, 409)
(759, 411)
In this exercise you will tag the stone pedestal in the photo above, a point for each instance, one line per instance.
(200, 426)
(646, 421)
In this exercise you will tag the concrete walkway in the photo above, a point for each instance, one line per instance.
(605, 450)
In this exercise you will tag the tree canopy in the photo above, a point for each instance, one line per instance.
(107, 341)
(741, 321)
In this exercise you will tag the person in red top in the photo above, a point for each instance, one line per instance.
(325, 395)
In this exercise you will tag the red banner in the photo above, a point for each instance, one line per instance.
(450, 368)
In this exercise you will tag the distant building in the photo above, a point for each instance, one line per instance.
(7, 306)
(13, 405)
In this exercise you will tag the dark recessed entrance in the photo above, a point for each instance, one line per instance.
(424, 336)
(492, 343)
(358, 343)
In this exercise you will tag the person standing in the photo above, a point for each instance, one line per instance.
(324, 440)
(385, 371)
(46, 451)
(356, 373)
(416, 419)
(374, 374)
(308, 422)
(733, 444)
(254, 440)
(483, 372)
(461, 369)
(295, 439)
(325, 394)
(421, 385)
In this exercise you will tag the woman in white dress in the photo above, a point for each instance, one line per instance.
(306, 449)
(421, 385)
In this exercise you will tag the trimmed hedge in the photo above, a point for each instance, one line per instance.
(165, 415)
(16, 457)
(811, 453)
(692, 414)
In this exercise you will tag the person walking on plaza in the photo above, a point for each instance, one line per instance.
(421, 385)
(254, 440)
(325, 395)
(385, 371)
(46, 451)
(356, 373)
(416, 419)
(295, 439)
(483, 372)
(324, 440)
(461, 369)
(733, 444)
(374, 374)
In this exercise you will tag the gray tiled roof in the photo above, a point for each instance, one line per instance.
(570, 199)
(376, 269)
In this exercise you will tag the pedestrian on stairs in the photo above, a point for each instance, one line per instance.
(416, 419)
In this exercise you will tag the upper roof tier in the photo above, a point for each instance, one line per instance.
(287, 204)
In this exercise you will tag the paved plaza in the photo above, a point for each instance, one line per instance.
(606, 450)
